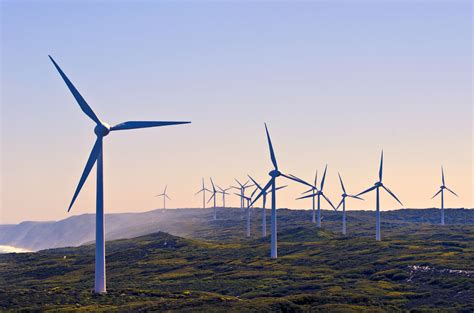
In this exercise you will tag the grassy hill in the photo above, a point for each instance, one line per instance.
(417, 267)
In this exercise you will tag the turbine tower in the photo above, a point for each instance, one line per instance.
(101, 130)
(247, 211)
(224, 193)
(316, 193)
(343, 202)
(441, 191)
(214, 192)
(377, 187)
(203, 190)
(164, 195)
(264, 196)
(272, 183)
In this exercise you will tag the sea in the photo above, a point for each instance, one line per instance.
(10, 249)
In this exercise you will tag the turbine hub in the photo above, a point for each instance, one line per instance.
(274, 173)
(344, 195)
(102, 130)
(378, 184)
(442, 187)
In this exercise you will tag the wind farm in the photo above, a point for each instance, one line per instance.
(261, 200)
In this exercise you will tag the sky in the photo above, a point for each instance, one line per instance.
(336, 82)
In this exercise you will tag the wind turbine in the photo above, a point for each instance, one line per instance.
(316, 193)
(343, 202)
(164, 195)
(272, 183)
(101, 130)
(441, 191)
(248, 211)
(214, 191)
(242, 188)
(203, 190)
(264, 196)
(377, 187)
(224, 193)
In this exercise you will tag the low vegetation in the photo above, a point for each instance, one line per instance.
(418, 267)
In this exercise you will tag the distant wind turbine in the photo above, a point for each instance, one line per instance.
(165, 196)
(224, 193)
(441, 191)
(272, 183)
(203, 190)
(316, 193)
(101, 130)
(377, 187)
(264, 196)
(214, 192)
(242, 188)
(343, 202)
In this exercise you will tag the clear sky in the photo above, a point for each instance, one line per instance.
(336, 81)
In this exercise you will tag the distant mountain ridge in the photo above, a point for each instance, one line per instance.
(194, 223)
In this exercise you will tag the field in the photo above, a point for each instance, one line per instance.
(417, 267)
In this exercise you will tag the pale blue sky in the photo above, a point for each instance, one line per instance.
(335, 80)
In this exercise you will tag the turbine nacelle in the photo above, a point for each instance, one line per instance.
(274, 173)
(102, 130)
(442, 187)
(378, 184)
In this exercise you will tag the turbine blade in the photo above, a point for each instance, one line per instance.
(301, 181)
(316, 178)
(308, 196)
(143, 124)
(96, 150)
(213, 187)
(392, 194)
(213, 195)
(381, 167)
(442, 175)
(451, 192)
(80, 100)
(168, 197)
(439, 191)
(199, 192)
(281, 187)
(342, 200)
(355, 197)
(366, 191)
(324, 178)
(255, 183)
(166, 187)
(342, 184)
(312, 189)
(241, 186)
(272, 153)
(264, 190)
(329, 201)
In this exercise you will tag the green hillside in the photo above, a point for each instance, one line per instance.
(416, 267)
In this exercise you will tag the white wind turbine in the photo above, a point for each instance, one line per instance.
(343, 202)
(203, 190)
(377, 187)
(101, 130)
(272, 183)
(242, 188)
(224, 193)
(247, 211)
(441, 191)
(165, 196)
(214, 192)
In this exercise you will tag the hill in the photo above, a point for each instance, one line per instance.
(195, 223)
(418, 267)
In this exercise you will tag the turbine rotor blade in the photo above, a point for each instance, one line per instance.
(342, 200)
(143, 124)
(95, 152)
(366, 191)
(324, 177)
(451, 192)
(80, 100)
(308, 196)
(255, 183)
(442, 175)
(264, 190)
(439, 191)
(355, 197)
(301, 181)
(329, 201)
(281, 187)
(342, 184)
(272, 153)
(392, 194)
(381, 167)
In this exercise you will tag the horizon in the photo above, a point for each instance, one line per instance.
(334, 85)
